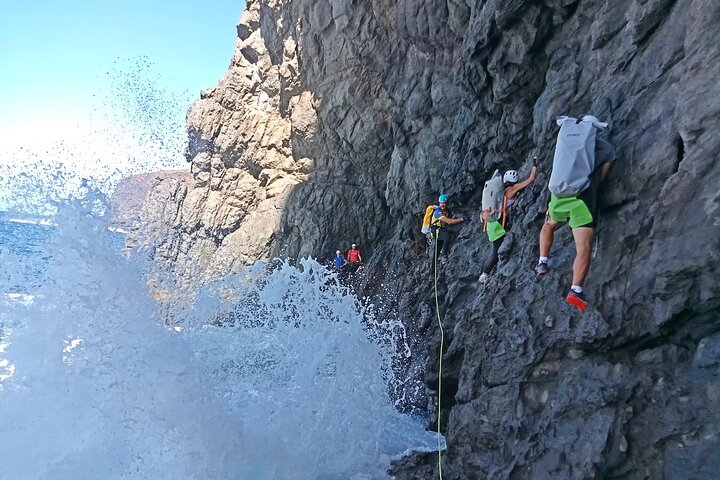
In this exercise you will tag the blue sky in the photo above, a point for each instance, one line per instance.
(64, 63)
(52, 52)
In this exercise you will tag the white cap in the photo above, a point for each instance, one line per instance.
(337, 253)
(594, 120)
(353, 245)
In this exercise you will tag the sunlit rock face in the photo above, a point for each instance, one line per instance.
(339, 121)
(129, 197)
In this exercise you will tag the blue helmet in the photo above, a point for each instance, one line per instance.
(443, 198)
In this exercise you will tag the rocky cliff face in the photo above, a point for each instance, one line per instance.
(129, 197)
(339, 121)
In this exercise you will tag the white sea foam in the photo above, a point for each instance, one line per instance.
(277, 372)
(32, 221)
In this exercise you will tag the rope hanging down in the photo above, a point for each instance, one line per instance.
(442, 339)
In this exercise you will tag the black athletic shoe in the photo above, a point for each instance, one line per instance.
(542, 268)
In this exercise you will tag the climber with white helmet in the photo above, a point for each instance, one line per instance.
(354, 258)
(339, 261)
(497, 226)
(582, 161)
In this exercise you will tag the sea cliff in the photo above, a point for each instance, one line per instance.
(337, 122)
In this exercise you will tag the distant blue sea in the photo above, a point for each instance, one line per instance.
(23, 243)
(23, 236)
(22, 251)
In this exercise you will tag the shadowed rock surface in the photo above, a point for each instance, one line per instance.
(339, 121)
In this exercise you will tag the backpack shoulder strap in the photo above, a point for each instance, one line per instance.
(504, 210)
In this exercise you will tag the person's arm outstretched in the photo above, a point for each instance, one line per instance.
(451, 221)
(512, 191)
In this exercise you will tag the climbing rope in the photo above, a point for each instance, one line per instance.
(638, 132)
(442, 339)
(632, 253)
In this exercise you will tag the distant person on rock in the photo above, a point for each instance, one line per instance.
(497, 229)
(437, 219)
(582, 161)
(354, 258)
(339, 261)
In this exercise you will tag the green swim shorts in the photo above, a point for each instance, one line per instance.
(570, 209)
(494, 230)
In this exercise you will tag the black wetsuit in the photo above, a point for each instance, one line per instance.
(442, 235)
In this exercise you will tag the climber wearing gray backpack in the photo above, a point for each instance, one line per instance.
(499, 194)
(581, 161)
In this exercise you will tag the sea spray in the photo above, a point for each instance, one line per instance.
(274, 372)
(100, 389)
(291, 346)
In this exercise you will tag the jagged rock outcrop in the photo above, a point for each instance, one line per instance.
(128, 198)
(339, 121)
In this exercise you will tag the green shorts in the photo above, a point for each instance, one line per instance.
(570, 209)
(494, 230)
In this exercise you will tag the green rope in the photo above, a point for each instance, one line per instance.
(442, 339)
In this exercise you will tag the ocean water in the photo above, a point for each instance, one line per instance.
(277, 372)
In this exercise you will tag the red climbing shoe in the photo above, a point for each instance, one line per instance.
(575, 299)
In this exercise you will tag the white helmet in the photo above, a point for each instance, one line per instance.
(511, 176)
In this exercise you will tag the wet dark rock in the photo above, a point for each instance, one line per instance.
(708, 352)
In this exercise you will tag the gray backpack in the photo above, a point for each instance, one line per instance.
(574, 159)
(493, 199)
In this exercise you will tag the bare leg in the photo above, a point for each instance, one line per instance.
(492, 259)
(546, 237)
(583, 247)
